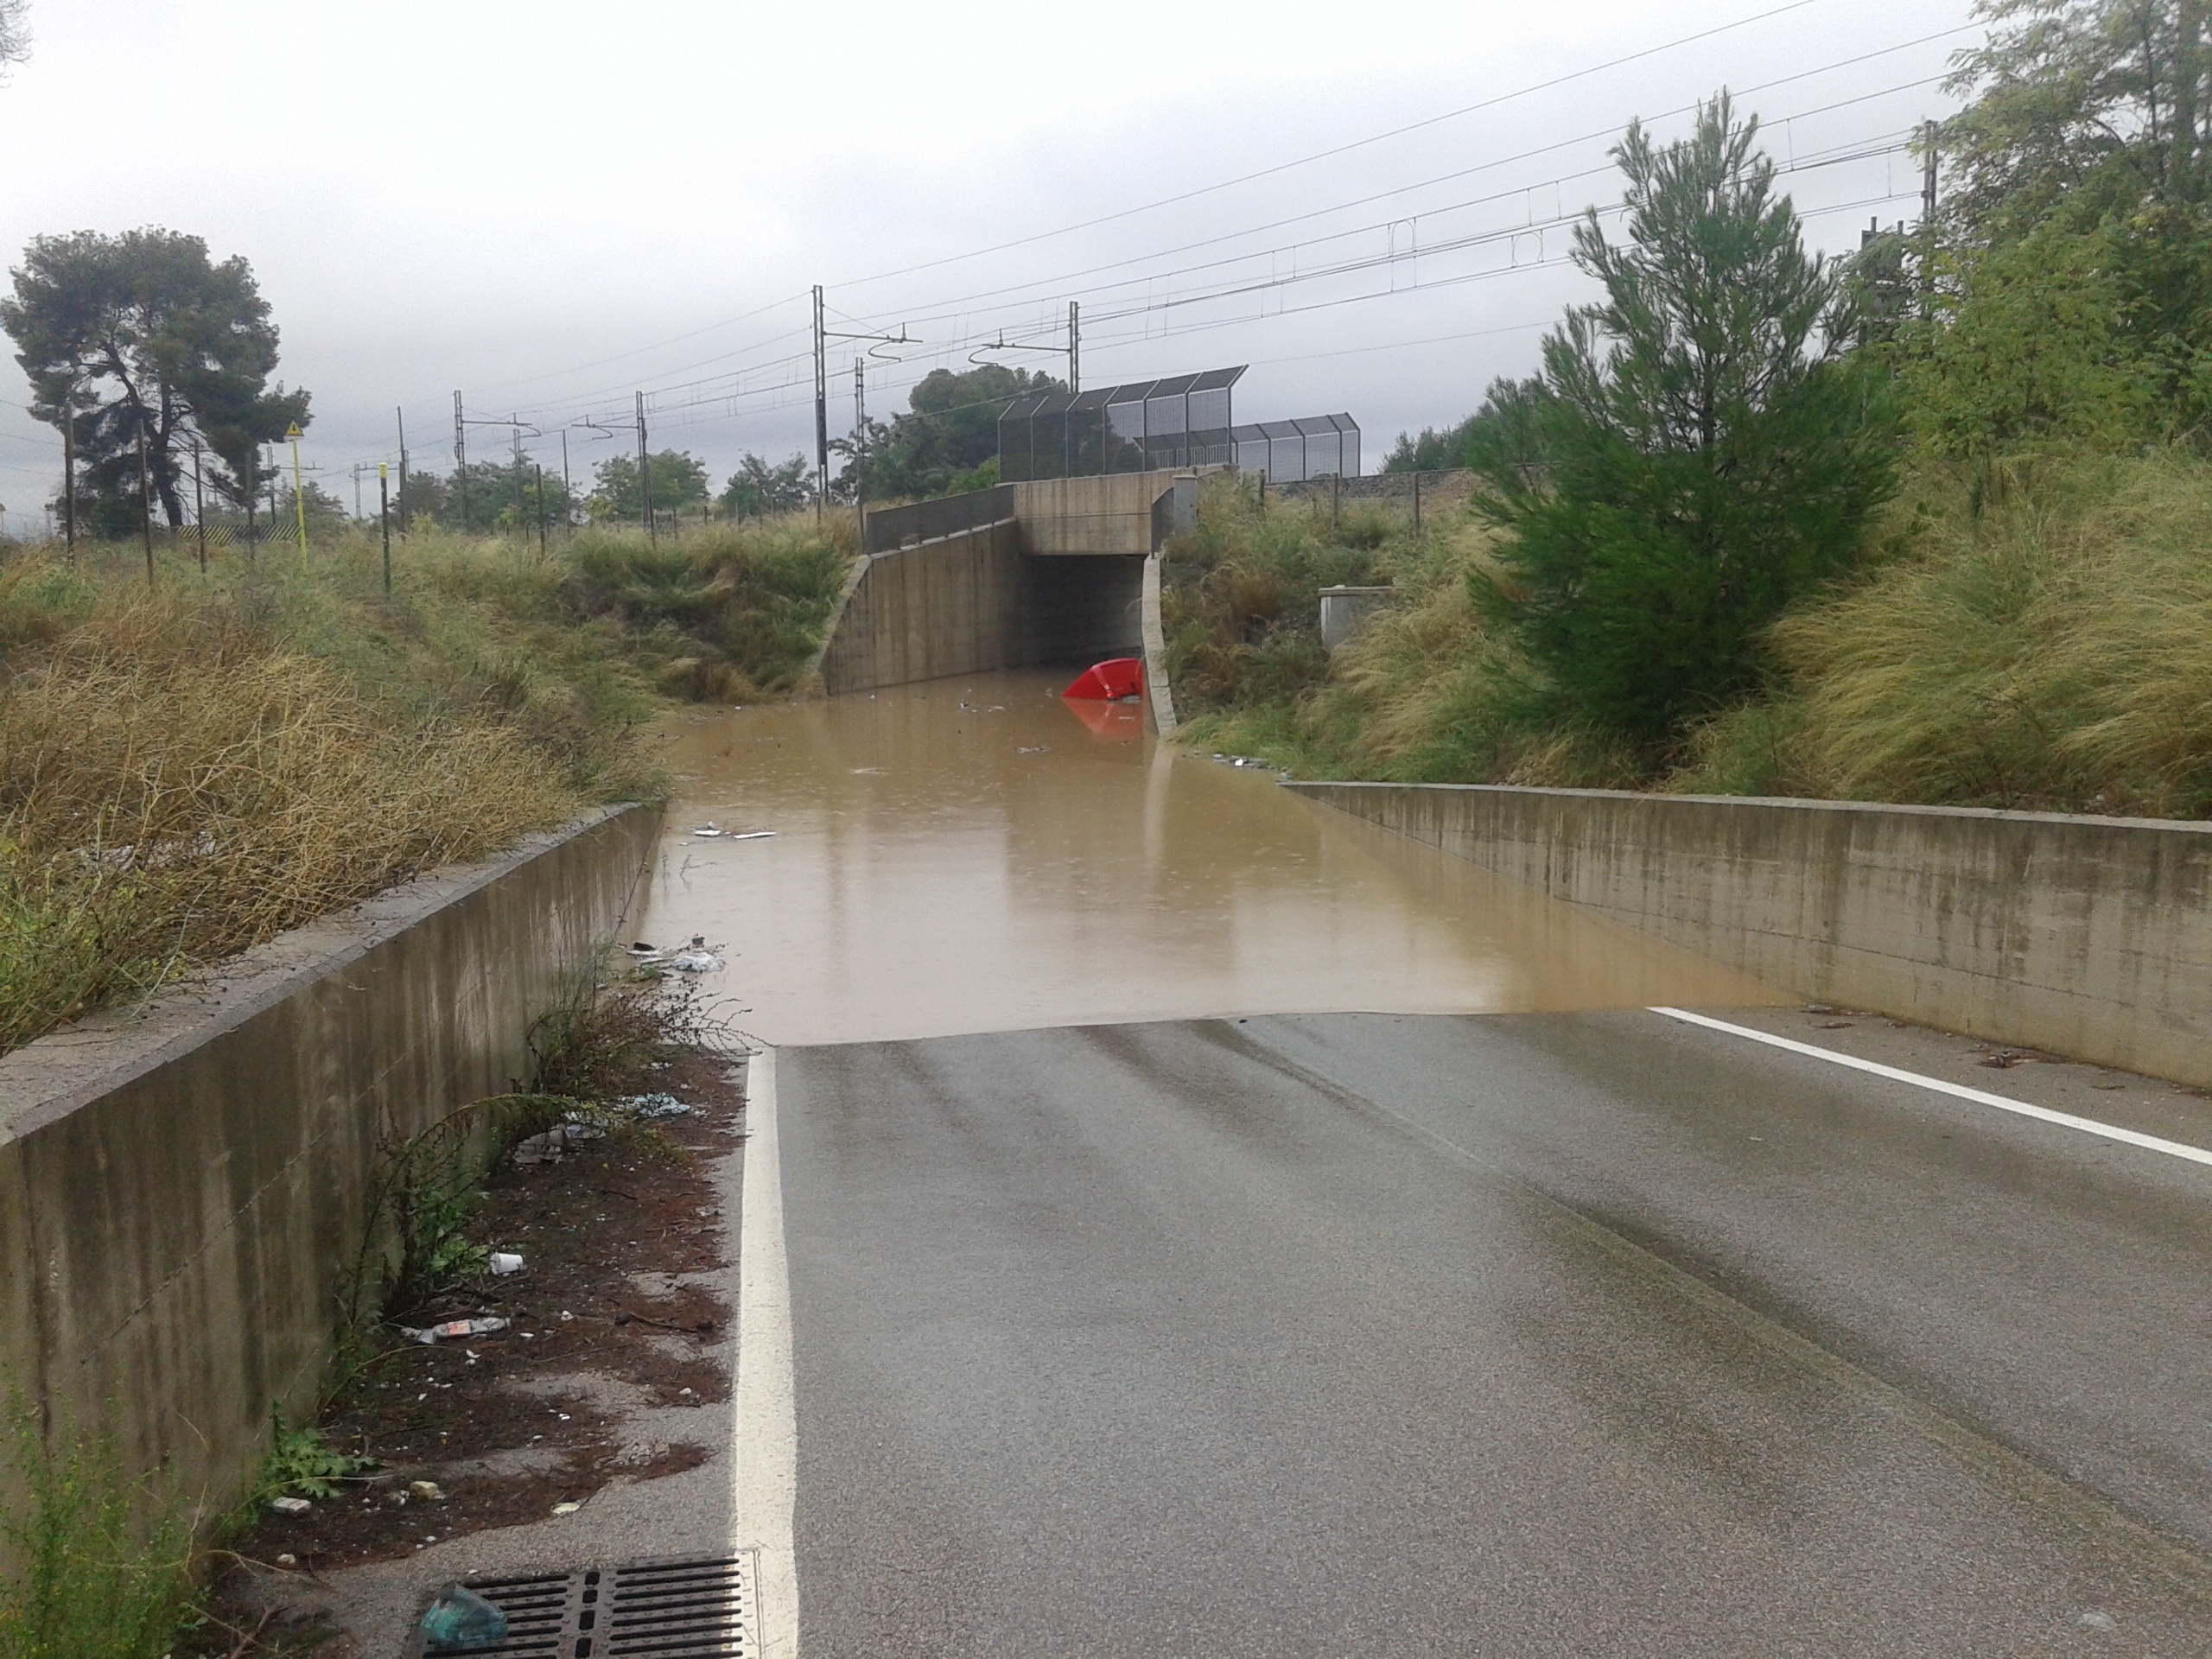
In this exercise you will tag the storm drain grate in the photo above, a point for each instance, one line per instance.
(654, 1610)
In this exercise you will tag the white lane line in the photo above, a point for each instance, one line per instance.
(764, 1457)
(2043, 1114)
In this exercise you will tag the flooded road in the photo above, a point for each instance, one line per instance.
(968, 856)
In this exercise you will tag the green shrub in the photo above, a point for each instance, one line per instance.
(101, 1564)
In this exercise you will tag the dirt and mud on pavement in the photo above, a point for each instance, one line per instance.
(517, 1447)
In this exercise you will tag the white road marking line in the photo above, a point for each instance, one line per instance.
(764, 1457)
(2043, 1113)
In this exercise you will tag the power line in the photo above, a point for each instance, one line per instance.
(1355, 144)
(1343, 149)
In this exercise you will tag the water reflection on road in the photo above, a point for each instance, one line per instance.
(971, 854)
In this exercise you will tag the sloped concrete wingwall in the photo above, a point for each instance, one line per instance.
(973, 601)
(184, 1186)
(2090, 937)
(947, 606)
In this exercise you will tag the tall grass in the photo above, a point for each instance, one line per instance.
(1241, 600)
(1418, 695)
(2052, 649)
(2034, 634)
(189, 767)
(728, 613)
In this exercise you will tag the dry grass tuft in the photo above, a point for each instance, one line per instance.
(188, 771)
(2052, 650)
(179, 786)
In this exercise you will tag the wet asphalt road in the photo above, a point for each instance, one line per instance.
(1573, 1334)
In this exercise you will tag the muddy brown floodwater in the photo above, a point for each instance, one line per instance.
(970, 854)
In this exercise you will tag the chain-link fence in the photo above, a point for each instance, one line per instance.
(1186, 420)
(1413, 494)
(1147, 426)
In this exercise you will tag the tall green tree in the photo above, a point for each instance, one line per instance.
(140, 335)
(1698, 455)
(500, 494)
(678, 479)
(2089, 119)
(757, 489)
(951, 427)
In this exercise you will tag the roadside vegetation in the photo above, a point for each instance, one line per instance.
(189, 767)
(1927, 525)
(104, 1564)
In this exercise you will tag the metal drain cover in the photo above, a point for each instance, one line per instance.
(652, 1609)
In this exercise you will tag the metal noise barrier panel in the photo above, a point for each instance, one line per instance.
(654, 1610)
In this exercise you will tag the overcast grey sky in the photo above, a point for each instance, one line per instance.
(552, 206)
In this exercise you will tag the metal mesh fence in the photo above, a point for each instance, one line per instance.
(1186, 420)
(922, 521)
(1182, 421)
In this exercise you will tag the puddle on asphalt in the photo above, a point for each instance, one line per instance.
(974, 854)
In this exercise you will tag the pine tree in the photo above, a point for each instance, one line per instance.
(1705, 454)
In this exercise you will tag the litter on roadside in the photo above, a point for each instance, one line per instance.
(551, 1145)
(566, 1508)
(290, 1505)
(644, 952)
(505, 1262)
(458, 1616)
(428, 1491)
(480, 1327)
(705, 831)
(651, 1106)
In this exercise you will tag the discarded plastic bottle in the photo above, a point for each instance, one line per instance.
(461, 1618)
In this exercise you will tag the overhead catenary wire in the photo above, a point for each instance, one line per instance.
(1493, 101)
(755, 385)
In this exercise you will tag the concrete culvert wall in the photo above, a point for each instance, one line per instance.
(183, 1186)
(2088, 936)
(973, 601)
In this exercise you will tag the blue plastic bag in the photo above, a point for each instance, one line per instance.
(461, 1618)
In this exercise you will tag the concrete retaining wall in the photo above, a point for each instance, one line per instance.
(948, 607)
(183, 1186)
(1158, 695)
(973, 601)
(2088, 936)
(1110, 512)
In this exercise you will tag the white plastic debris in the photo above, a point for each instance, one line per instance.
(566, 1508)
(707, 832)
(428, 1491)
(505, 1262)
(551, 1146)
(643, 951)
(478, 1327)
(695, 962)
(652, 1106)
(751, 835)
(290, 1505)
